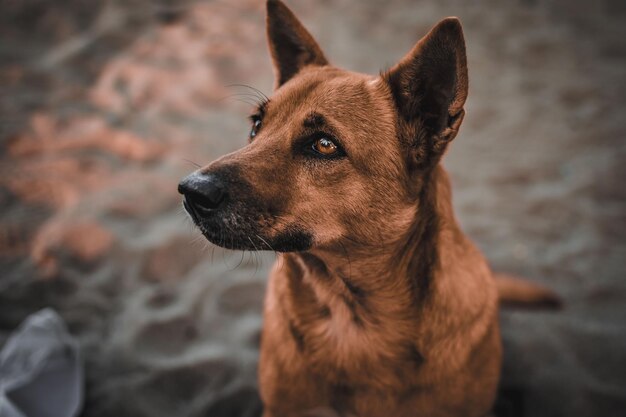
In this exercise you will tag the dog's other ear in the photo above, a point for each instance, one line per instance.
(291, 45)
(429, 84)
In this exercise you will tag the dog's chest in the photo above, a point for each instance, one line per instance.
(349, 350)
(343, 335)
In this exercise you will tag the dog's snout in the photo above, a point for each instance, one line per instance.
(202, 191)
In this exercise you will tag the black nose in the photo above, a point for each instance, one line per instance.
(202, 191)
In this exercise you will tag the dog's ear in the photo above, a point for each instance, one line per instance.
(291, 45)
(429, 85)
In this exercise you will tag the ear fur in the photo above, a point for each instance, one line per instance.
(429, 85)
(291, 45)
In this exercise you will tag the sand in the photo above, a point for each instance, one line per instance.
(106, 105)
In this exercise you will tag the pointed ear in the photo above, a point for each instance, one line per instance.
(291, 45)
(429, 85)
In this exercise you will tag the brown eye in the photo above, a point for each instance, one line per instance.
(324, 146)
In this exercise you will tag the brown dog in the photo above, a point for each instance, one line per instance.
(378, 305)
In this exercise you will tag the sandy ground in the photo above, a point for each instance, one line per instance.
(104, 106)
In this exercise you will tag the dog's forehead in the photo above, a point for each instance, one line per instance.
(326, 89)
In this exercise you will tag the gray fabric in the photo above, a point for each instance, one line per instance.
(40, 370)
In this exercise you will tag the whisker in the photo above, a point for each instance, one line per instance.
(192, 163)
(266, 242)
(248, 102)
(255, 98)
(255, 255)
(259, 92)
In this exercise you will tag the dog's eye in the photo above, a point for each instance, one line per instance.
(256, 125)
(325, 146)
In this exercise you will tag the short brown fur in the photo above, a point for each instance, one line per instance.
(378, 304)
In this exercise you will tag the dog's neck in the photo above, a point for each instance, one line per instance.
(388, 282)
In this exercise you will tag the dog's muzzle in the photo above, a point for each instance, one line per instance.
(230, 214)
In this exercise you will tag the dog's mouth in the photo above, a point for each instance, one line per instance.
(240, 229)
(213, 226)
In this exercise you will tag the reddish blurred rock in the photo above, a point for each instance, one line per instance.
(83, 242)
(165, 70)
(48, 135)
(57, 182)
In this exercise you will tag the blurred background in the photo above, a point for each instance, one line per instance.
(105, 105)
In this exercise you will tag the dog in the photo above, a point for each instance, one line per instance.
(378, 304)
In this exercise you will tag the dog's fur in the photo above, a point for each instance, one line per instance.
(378, 304)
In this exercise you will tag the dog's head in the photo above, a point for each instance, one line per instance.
(334, 157)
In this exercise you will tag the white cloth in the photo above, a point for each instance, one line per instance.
(41, 372)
